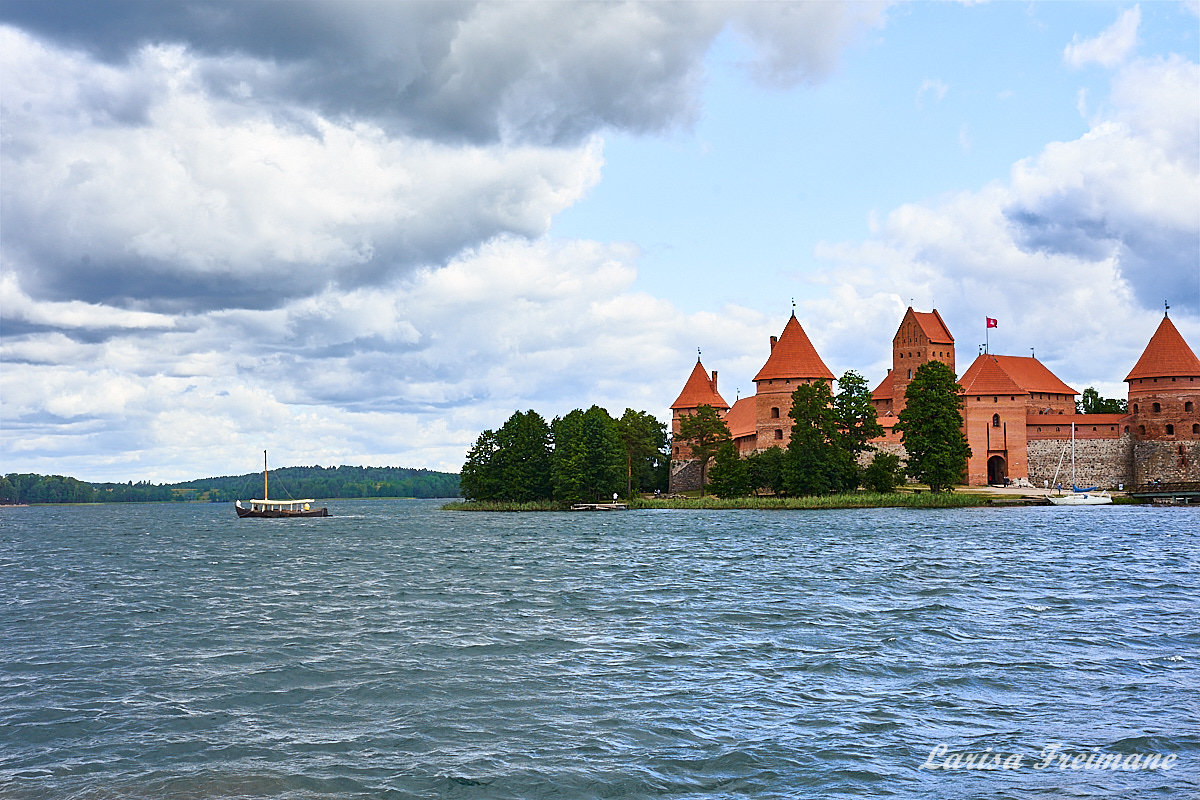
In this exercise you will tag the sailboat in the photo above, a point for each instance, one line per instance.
(1077, 497)
(275, 509)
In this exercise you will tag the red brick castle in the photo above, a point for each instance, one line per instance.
(1017, 414)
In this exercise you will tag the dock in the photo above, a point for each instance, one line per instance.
(599, 507)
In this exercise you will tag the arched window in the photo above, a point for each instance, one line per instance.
(1157, 408)
(1127, 429)
(995, 420)
(1170, 430)
(910, 374)
(1135, 408)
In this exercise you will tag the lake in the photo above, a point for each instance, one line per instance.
(395, 650)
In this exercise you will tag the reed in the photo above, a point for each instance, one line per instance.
(848, 500)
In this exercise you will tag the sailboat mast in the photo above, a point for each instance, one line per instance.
(1074, 483)
(265, 474)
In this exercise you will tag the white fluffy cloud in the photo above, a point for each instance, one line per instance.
(1110, 48)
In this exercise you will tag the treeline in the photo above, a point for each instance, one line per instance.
(585, 456)
(293, 482)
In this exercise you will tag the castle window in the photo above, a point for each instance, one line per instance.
(995, 399)
(1093, 427)
(1170, 430)
(1057, 429)
(995, 420)
(1135, 408)
(1039, 430)
(774, 413)
(1157, 408)
(1141, 430)
(1188, 406)
(1196, 427)
(910, 374)
(778, 433)
(1127, 429)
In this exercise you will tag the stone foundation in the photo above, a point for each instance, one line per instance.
(685, 476)
(1098, 462)
(1166, 461)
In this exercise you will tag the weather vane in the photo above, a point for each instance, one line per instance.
(1166, 308)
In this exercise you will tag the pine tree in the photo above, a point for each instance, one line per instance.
(931, 427)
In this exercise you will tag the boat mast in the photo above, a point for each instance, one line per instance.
(1073, 481)
(265, 473)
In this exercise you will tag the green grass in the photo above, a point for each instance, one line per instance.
(908, 499)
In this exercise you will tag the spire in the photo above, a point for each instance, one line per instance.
(700, 390)
(793, 356)
(1167, 355)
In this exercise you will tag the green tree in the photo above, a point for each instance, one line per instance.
(1092, 403)
(931, 427)
(8, 492)
(644, 439)
(855, 413)
(766, 470)
(588, 463)
(704, 432)
(522, 458)
(819, 457)
(883, 473)
(479, 479)
(730, 475)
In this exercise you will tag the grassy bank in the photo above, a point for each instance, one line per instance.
(923, 499)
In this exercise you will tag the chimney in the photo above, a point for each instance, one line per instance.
(774, 339)
(714, 382)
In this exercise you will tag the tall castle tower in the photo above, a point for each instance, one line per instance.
(793, 361)
(1164, 407)
(700, 390)
(921, 337)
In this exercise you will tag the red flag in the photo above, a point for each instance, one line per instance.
(991, 323)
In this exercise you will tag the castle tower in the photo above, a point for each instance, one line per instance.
(1164, 407)
(699, 390)
(921, 337)
(793, 361)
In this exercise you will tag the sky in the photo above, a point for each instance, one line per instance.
(360, 233)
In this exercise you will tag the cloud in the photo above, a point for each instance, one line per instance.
(540, 72)
(931, 87)
(1111, 48)
(1061, 252)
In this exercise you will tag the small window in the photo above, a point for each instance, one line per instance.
(1093, 427)
(1188, 406)
(1135, 408)
(774, 413)
(1157, 408)
(1141, 430)
(1196, 427)
(778, 433)
(1127, 429)
(995, 420)
(910, 374)
(1170, 430)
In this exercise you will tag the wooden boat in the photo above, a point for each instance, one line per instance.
(277, 509)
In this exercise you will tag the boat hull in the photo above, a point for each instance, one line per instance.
(1085, 499)
(246, 513)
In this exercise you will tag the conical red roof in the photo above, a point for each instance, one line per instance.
(793, 356)
(1166, 356)
(699, 391)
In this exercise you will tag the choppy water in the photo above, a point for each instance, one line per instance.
(395, 650)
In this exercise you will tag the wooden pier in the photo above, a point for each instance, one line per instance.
(599, 507)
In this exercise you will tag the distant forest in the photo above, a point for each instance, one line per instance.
(285, 483)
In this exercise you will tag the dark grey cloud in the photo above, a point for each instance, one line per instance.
(458, 72)
(1160, 262)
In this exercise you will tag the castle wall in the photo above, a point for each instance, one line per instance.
(1166, 461)
(1106, 462)
(685, 476)
(995, 427)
